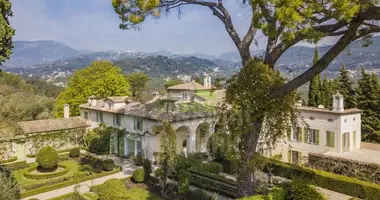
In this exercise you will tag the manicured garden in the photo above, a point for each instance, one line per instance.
(53, 171)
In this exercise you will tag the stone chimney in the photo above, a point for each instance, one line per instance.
(66, 111)
(89, 101)
(93, 101)
(299, 103)
(338, 102)
(207, 81)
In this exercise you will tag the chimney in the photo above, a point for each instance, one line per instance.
(299, 103)
(338, 105)
(89, 101)
(66, 111)
(128, 102)
(207, 81)
(93, 101)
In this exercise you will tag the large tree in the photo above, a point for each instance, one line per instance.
(369, 101)
(9, 188)
(137, 81)
(285, 23)
(345, 87)
(6, 31)
(101, 79)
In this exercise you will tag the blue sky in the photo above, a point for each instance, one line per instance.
(93, 25)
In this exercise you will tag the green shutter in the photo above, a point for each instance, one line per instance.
(132, 148)
(299, 158)
(305, 135)
(330, 139)
(299, 134)
(134, 123)
(121, 144)
(114, 119)
(354, 138)
(289, 156)
(317, 135)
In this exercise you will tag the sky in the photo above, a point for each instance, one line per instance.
(93, 25)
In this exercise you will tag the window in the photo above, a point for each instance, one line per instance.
(330, 120)
(184, 95)
(138, 147)
(330, 139)
(312, 118)
(109, 105)
(116, 120)
(313, 136)
(137, 124)
(86, 115)
(99, 116)
(296, 134)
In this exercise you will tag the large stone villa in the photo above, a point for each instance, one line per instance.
(188, 106)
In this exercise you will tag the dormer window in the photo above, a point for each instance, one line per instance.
(138, 124)
(184, 95)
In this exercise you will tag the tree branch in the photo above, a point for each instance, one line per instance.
(322, 63)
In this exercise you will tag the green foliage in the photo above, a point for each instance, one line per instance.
(183, 181)
(275, 194)
(139, 175)
(369, 101)
(315, 96)
(108, 165)
(75, 152)
(6, 31)
(137, 82)
(300, 190)
(197, 194)
(49, 175)
(113, 189)
(101, 79)
(172, 82)
(198, 79)
(98, 139)
(9, 188)
(47, 157)
(345, 88)
(70, 196)
(147, 166)
(327, 90)
(139, 160)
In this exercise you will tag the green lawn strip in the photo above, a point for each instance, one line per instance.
(67, 183)
(90, 196)
(206, 94)
(63, 197)
(12, 159)
(141, 193)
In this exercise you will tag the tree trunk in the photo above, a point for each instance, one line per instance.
(245, 55)
(246, 179)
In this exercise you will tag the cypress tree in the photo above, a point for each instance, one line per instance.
(346, 89)
(369, 102)
(326, 93)
(314, 95)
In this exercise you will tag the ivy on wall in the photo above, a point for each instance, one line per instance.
(5, 150)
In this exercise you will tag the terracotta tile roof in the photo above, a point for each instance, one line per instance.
(325, 110)
(48, 125)
(189, 86)
(119, 99)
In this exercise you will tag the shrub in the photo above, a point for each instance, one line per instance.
(197, 194)
(138, 175)
(229, 166)
(147, 165)
(16, 165)
(113, 189)
(138, 160)
(108, 165)
(215, 168)
(12, 159)
(10, 188)
(275, 194)
(183, 182)
(27, 173)
(47, 157)
(74, 152)
(299, 190)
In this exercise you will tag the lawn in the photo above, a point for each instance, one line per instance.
(206, 94)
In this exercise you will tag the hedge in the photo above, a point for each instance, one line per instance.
(346, 167)
(45, 175)
(12, 159)
(16, 165)
(67, 183)
(63, 151)
(213, 185)
(214, 177)
(334, 182)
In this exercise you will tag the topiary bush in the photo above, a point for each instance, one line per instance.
(74, 152)
(108, 165)
(113, 189)
(299, 190)
(147, 165)
(47, 158)
(139, 175)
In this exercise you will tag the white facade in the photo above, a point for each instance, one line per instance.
(322, 131)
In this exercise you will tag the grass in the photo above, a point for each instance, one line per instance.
(206, 94)
(70, 164)
(141, 194)
(196, 107)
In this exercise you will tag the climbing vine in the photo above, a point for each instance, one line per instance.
(5, 150)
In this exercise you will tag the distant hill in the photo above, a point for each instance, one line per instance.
(37, 52)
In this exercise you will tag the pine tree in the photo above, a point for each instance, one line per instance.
(315, 86)
(344, 85)
(369, 101)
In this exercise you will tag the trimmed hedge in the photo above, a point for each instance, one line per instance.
(108, 165)
(215, 177)
(139, 175)
(63, 151)
(12, 159)
(213, 185)
(334, 182)
(346, 167)
(47, 175)
(16, 165)
(67, 183)
(47, 157)
(75, 152)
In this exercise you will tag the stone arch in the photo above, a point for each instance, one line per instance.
(183, 144)
(202, 134)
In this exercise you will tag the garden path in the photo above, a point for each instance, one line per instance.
(128, 168)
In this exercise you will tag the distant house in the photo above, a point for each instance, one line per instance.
(193, 91)
(324, 131)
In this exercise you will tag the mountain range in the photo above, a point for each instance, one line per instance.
(53, 60)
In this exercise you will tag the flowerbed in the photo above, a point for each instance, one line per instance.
(28, 174)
